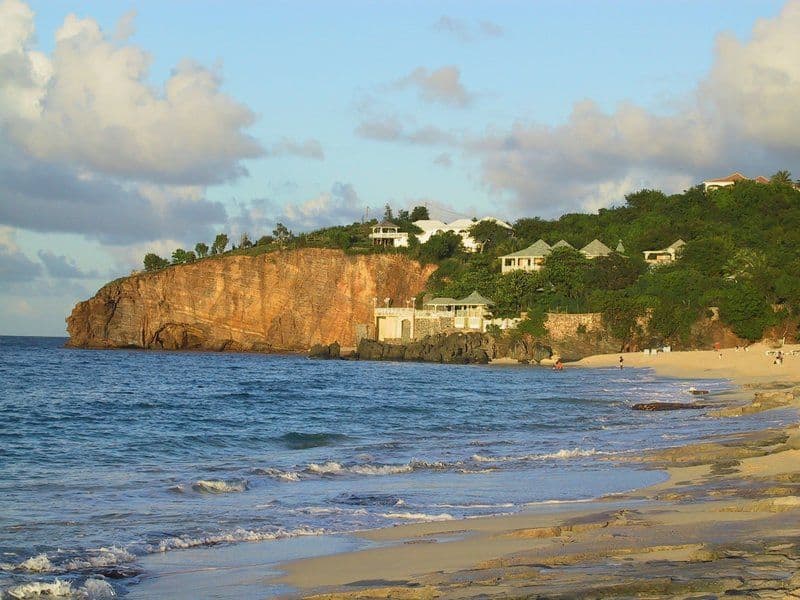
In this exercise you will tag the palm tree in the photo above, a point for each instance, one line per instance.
(782, 177)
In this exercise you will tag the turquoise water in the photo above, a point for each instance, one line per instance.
(106, 456)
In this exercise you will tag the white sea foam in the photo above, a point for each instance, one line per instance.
(230, 537)
(220, 486)
(335, 468)
(561, 454)
(500, 505)
(37, 589)
(36, 564)
(418, 516)
(100, 557)
(291, 476)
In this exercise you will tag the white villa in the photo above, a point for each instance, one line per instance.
(664, 256)
(431, 227)
(472, 313)
(388, 234)
(532, 258)
(715, 184)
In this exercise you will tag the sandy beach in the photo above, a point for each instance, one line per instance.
(726, 522)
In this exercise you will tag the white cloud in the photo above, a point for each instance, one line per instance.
(307, 149)
(744, 115)
(90, 104)
(441, 85)
(465, 32)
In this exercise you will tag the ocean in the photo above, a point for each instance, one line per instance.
(108, 456)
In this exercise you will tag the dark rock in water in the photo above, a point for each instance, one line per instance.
(324, 351)
(653, 406)
(698, 392)
(453, 348)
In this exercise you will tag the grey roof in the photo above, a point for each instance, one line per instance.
(596, 248)
(538, 248)
(385, 224)
(620, 248)
(563, 244)
(475, 299)
(677, 244)
(442, 302)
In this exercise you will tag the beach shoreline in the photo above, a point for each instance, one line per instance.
(725, 517)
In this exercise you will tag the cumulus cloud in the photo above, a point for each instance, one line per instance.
(59, 266)
(390, 129)
(90, 104)
(466, 32)
(441, 85)
(341, 204)
(46, 197)
(744, 115)
(307, 149)
(15, 267)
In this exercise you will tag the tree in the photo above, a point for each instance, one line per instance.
(282, 234)
(244, 241)
(220, 242)
(264, 240)
(565, 269)
(782, 177)
(179, 256)
(488, 234)
(745, 310)
(201, 249)
(388, 215)
(153, 262)
(440, 246)
(614, 272)
(420, 213)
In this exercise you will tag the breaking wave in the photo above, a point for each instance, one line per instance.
(220, 486)
(228, 537)
(561, 454)
(92, 589)
(410, 516)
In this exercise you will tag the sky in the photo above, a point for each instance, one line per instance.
(135, 127)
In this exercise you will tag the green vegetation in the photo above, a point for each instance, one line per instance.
(741, 256)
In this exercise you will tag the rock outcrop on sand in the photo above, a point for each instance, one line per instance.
(280, 301)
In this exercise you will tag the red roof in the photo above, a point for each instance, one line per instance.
(732, 177)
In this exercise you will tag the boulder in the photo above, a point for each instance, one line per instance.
(653, 406)
(325, 351)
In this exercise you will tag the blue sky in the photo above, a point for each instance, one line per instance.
(131, 127)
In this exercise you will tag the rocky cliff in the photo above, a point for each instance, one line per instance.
(273, 302)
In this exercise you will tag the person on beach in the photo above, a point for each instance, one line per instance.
(620, 362)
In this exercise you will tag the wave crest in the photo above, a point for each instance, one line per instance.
(220, 486)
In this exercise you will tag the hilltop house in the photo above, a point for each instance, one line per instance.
(667, 255)
(388, 234)
(472, 313)
(532, 258)
(461, 227)
(733, 178)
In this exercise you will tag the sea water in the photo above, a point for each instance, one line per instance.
(107, 456)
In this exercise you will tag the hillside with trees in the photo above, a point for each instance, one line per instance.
(741, 258)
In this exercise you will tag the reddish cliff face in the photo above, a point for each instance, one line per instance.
(278, 301)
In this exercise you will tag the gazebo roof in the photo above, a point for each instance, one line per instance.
(596, 248)
(620, 249)
(475, 299)
(563, 244)
(386, 224)
(538, 248)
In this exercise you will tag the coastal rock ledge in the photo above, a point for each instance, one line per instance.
(275, 302)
